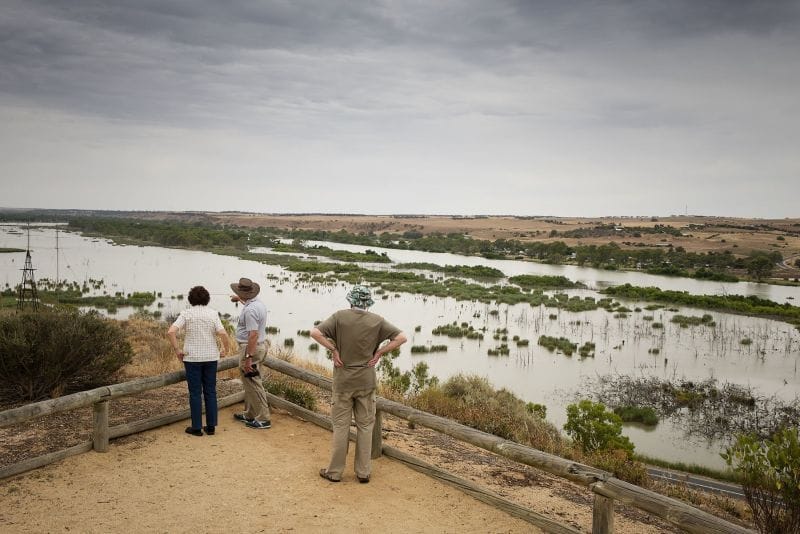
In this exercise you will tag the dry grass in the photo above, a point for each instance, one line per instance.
(733, 510)
(152, 351)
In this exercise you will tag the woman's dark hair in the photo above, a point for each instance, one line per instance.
(199, 295)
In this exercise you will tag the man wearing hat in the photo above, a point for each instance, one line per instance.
(354, 336)
(251, 336)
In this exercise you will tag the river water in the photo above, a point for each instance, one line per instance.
(769, 364)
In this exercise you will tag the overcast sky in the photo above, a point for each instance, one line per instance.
(464, 107)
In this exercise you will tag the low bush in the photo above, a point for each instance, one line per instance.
(53, 352)
(293, 390)
(561, 343)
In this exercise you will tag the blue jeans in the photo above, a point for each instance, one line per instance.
(201, 377)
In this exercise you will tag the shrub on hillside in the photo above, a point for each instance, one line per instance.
(472, 401)
(49, 353)
(770, 471)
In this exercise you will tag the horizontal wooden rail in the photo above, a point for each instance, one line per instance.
(89, 397)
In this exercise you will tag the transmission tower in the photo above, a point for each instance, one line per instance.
(27, 295)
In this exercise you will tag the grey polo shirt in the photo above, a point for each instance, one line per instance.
(253, 317)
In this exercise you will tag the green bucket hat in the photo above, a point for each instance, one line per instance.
(360, 297)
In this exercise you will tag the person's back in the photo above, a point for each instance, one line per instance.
(354, 337)
(357, 333)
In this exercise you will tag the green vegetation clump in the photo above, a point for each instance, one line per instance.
(369, 256)
(455, 331)
(746, 341)
(470, 271)
(501, 350)
(4, 250)
(522, 342)
(272, 329)
(288, 342)
(637, 414)
(531, 281)
(561, 343)
(424, 349)
(304, 333)
(685, 321)
(49, 353)
(587, 349)
(657, 325)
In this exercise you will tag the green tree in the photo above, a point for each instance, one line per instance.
(760, 265)
(770, 471)
(594, 428)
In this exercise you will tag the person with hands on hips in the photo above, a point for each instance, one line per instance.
(251, 336)
(354, 337)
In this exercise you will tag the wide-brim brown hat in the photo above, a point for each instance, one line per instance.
(245, 289)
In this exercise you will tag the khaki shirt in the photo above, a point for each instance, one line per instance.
(357, 335)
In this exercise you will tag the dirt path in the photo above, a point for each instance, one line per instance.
(167, 481)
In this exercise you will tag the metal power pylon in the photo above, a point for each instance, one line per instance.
(27, 295)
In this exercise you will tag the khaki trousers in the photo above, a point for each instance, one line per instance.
(361, 405)
(255, 398)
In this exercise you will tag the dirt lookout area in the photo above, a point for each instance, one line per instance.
(245, 480)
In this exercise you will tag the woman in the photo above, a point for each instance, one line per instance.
(200, 355)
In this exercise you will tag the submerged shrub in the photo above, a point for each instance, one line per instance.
(637, 414)
(49, 353)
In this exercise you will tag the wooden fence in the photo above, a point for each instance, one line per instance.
(606, 488)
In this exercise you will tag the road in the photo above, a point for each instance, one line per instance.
(697, 482)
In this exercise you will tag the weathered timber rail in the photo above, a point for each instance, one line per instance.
(605, 487)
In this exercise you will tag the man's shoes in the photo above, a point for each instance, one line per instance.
(324, 474)
(193, 431)
(254, 423)
(363, 480)
(242, 417)
(210, 430)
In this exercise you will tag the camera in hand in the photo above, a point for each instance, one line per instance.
(253, 373)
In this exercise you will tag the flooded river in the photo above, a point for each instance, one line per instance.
(623, 345)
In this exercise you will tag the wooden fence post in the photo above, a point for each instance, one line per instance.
(602, 515)
(377, 437)
(100, 429)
